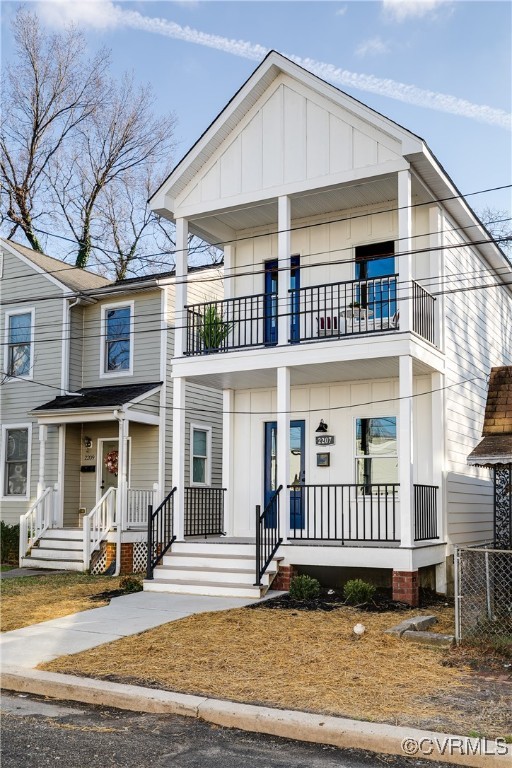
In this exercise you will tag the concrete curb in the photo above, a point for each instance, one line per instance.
(302, 726)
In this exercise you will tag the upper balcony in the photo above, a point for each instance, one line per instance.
(332, 311)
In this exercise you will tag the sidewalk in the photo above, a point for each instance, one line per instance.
(23, 649)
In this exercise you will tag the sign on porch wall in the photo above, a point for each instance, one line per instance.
(324, 439)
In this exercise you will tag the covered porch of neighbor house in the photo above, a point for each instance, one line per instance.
(110, 467)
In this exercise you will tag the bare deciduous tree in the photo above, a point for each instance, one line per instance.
(499, 224)
(47, 95)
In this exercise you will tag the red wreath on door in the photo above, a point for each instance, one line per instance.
(111, 462)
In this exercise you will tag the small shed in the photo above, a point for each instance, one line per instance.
(495, 451)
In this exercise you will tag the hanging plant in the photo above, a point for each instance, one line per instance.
(111, 462)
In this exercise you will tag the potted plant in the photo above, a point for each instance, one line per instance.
(213, 330)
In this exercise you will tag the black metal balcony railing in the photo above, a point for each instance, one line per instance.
(423, 317)
(425, 512)
(228, 324)
(342, 309)
(318, 312)
(204, 511)
(344, 513)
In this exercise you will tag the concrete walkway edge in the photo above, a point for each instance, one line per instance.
(290, 724)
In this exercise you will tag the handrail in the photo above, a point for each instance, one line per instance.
(35, 522)
(98, 523)
(268, 540)
(160, 531)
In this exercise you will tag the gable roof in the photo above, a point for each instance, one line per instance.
(74, 278)
(496, 445)
(247, 95)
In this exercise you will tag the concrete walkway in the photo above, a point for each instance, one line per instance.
(126, 615)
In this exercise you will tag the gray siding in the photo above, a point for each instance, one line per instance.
(25, 289)
(76, 348)
(72, 475)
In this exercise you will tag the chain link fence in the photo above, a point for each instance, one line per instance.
(483, 595)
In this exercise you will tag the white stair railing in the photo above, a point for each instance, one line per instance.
(98, 523)
(138, 502)
(36, 521)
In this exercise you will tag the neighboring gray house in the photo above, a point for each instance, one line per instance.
(87, 410)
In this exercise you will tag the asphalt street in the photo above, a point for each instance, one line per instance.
(38, 733)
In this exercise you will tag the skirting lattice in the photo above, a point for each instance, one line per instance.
(99, 563)
(140, 556)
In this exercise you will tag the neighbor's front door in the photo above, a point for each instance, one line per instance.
(106, 478)
(297, 469)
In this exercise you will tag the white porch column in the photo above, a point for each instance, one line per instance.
(180, 323)
(43, 436)
(228, 402)
(228, 272)
(405, 452)
(438, 450)
(437, 269)
(283, 449)
(283, 265)
(58, 499)
(404, 259)
(122, 480)
(178, 455)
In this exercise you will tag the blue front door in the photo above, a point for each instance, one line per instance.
(297, 470)
(271, 301)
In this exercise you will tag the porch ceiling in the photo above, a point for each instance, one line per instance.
(326, 373)
(381, 190)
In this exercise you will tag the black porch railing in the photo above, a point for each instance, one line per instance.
(160, 531)
(204, 511)
(228, 324)
(423, 316)
(342, 309)
(425, 512)
(267, 534)
(344, 513)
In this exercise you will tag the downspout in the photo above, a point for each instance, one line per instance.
(121, 418)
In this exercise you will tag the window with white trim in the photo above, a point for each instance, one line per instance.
(19, 347)
(376, 453)
(200, 449)
(117, 339)
(16, 461)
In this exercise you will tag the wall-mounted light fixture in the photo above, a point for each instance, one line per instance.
(87, 441)
(322, 427)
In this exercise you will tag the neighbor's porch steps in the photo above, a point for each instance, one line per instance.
(211, 568)
(58, 549)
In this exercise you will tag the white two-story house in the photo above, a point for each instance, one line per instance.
(87, 413)
(364, 305)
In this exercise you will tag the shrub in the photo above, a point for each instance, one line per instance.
(304, 587)
(9, 543)
(130, 584)
(357, 591)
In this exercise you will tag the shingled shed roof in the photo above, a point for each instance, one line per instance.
(496, 445)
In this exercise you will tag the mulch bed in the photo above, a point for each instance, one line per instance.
(331, 599)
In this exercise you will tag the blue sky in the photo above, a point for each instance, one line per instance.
(197, 54)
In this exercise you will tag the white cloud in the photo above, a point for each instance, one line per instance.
(341, 11)
(400, 10)
(101, 14)
(374, 46)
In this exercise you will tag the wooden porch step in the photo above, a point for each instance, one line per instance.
(51, 564)
(225, 575)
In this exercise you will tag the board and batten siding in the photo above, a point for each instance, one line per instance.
(72, 475)
(19, 282)
(339, 404)
(478, 336)
(292, 135)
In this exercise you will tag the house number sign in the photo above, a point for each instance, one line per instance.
(324, 439)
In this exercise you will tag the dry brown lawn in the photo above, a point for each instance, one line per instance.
(31, 599)
(301, 660)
